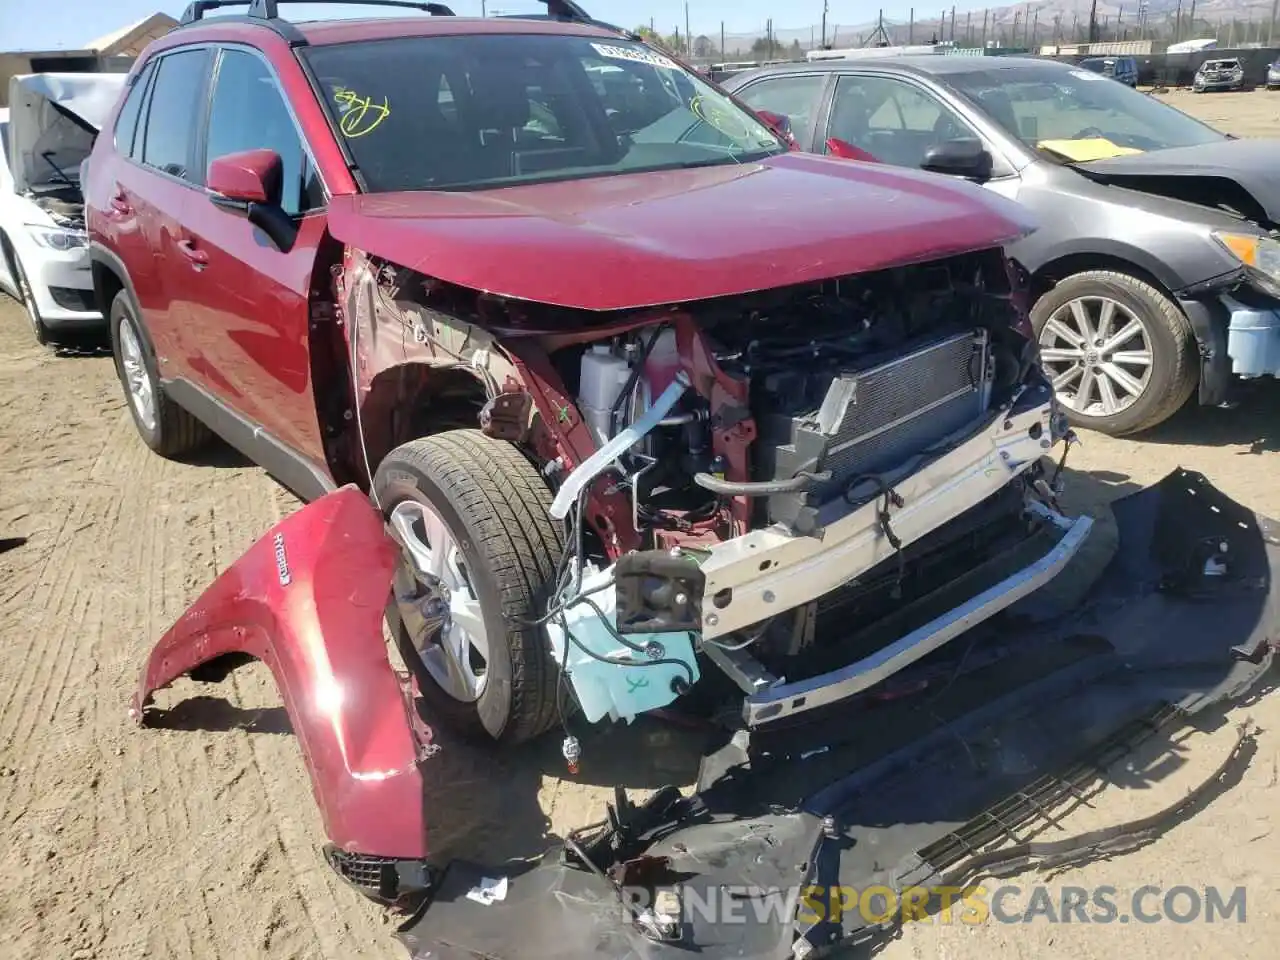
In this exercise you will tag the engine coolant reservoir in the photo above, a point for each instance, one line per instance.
(603, 377)
(609, 689)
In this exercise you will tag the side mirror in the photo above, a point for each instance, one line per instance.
(847, 151)
(781, 125)
(249, 183)
(965, 157)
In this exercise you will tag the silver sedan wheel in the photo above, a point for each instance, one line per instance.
(1098, 355)
(436, 602)
(137, 380)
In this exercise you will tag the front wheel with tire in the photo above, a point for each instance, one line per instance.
(479, 550)
(1121, 353)
(164, 426)
(25, 294)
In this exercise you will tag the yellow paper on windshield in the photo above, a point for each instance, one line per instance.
(1086, 149)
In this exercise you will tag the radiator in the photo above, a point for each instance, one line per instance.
(873, 420)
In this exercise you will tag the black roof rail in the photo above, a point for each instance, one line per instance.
(270, 9)
(566, 11)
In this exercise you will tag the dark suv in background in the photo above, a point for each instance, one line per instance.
(1123, 69)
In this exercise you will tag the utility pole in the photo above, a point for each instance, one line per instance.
(1035, 29)
(688, 37)
(1177, 23)
(968, 29)
(721, 39)
(824, 24)
(1271, 30)
(1093, 21)
(953, 25)
(984, 28)
(911, 26)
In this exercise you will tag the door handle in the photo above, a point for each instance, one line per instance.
(120, 203)
(199, 259)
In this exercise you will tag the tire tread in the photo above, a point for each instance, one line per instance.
(505, 501)
(1183, 375)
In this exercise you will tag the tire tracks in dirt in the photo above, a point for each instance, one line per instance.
(199, 840)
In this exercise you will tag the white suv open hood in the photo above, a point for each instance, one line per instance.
(58, 114)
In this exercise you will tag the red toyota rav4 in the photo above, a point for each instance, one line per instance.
(573, 319)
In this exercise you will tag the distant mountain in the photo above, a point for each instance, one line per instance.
(1045, 22)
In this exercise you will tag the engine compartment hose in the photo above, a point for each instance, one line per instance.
(599, 461)
(760, 488)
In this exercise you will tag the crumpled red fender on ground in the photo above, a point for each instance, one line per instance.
(307, 600)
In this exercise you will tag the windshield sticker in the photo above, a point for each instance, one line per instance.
(360, 115)
(634, 55)
(1086, 149)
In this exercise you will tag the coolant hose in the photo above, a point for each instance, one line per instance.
(759, 488)
(599, 461)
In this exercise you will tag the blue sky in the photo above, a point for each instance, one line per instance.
(50, 24)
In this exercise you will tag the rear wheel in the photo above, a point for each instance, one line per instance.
(1120, 353)
(25, 295)
(164, 426)
(479, 550)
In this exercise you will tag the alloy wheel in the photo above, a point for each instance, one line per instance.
(1098, 354)
(137, 379)
(436, 603)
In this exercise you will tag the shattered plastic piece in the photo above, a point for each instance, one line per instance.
(1000, 752)
(489, 891)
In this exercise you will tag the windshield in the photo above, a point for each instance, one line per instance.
(462, 112)
(1037, 105)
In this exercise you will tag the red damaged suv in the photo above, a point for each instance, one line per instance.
(637, 392)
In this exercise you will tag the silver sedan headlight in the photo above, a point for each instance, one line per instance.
(1260, 256)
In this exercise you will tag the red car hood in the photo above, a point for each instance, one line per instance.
(637, 240)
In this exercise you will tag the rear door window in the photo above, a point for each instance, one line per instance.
(796, 98)
(173, 118)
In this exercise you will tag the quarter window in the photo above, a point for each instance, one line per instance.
(169, 140)
(793, 97)
(127, 122)
(249, 113)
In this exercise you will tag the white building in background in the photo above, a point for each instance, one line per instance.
(113, 53)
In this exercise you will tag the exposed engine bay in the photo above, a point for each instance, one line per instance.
(851, 387)
(846, 382)
(750, 472)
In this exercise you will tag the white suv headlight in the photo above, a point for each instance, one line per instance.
(1260, 255)
(58, 238)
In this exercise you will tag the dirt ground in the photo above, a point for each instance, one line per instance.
(199, 839)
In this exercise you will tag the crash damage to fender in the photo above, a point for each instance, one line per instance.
(998, 742)
(307, 599)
